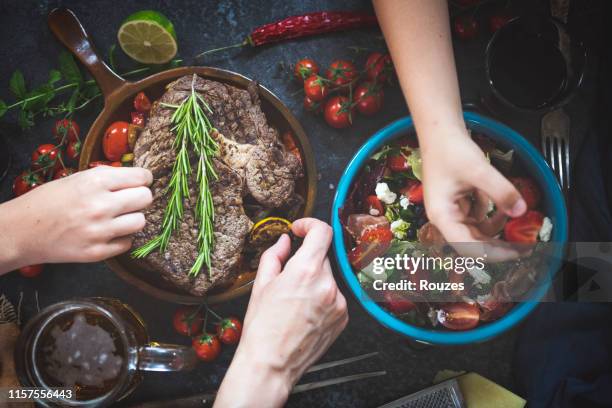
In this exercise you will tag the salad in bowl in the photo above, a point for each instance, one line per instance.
(404, 272)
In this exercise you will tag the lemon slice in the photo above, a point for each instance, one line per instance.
(148, 37)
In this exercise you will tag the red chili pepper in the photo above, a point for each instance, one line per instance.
(304, 25)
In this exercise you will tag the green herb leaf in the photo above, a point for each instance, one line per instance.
(26, 119)
(69, 68)
(54, 76)
(3, 108)
(17, 84)
(38, 99)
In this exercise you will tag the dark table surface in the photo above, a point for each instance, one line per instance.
(27, 43)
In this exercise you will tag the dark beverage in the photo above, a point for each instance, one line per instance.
(82, 351)
(533, 65)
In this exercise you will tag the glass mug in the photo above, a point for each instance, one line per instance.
(98, 347)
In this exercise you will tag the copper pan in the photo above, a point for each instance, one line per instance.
(118, 95)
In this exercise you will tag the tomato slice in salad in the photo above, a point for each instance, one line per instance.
(459, 316)
(524, 229)
(414, 191)
(396, 303)
(398, 162)
(374, 243)
(374, 206)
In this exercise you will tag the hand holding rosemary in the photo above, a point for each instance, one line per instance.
(193, 131)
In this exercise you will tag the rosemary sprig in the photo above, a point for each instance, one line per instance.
(193, 130)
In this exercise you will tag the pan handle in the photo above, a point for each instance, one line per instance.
(68, 29)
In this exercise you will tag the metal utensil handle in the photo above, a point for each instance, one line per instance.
(68, 29)
(166, 357)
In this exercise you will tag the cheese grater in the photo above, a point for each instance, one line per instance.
(443, 395)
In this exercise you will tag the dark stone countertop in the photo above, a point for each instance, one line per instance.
(28, 44)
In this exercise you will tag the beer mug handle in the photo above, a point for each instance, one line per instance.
(166, 357)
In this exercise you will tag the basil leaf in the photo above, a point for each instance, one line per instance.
(69, 68)
(42, 96)
(54, 76)
(3, 108)
(17, 84)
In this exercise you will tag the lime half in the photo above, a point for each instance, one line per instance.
(148, 37)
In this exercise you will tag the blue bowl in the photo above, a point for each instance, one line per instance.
(554, 207)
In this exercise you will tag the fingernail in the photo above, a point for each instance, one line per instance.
(519, 208)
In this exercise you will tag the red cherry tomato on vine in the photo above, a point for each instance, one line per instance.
(115, 141)
(315, 88)
(73, 150)
(138, 119)
(341, 72)
(311, 105)
(229, 330)
(378, 67)
(368, 98)
(466, 27)
(25, 182)
(305, 68)
(66, 130)
(31, 271)
(206, 346)
(142, 102)
(338, 112)
(187, 321)
(64, 172)
(45, 156)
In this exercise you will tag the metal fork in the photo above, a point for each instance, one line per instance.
(555, 134)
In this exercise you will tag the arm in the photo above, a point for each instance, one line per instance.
(455, 169)
(292, 319)
(86, 217)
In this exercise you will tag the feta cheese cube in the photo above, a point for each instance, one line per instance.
(404, 202)
(545, 230)
(385, 194)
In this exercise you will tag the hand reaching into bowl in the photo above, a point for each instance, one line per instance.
(295, 313)
(458, 180)
(86, 217)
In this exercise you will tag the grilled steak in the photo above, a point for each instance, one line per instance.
(251, 161)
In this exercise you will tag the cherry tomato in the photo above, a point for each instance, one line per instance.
(374, 206)
(66, 130)
(63, 172)
(372, 246)
(529, 190)
(378, 67)
(338, 112)
(142, 102)
(396, 303)
(229, 330)
(45, 156)
(398, 162)
(312, 106)
(459, 316)
(115, 141)
(466, 27)
(304, 68)
(116, 164)
(187, 321)
(315, 88)
(99, 163)
(138, 119)
(31, 271)
(341, 72)
(206, 346)
(25, 182)
(414, 191)
(497, 21)
(368, 98)
(380, 234)
(524, 229)
(73, 150)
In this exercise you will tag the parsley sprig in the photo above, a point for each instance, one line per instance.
(193, 131)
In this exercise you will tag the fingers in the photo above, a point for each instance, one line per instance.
(131, 200)
(493, 225)
(106, 250)
(271, 262)
(118, 246)
(126, 224)
(117, 178)
(317, 238)
(503, 193)
(480, 206)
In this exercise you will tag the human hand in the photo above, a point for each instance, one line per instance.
(292, 319)
(86, 217)
(458, 182)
